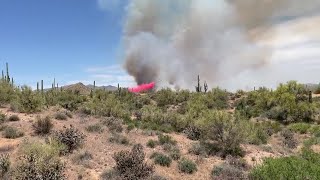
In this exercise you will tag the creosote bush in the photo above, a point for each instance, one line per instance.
(61, 116)
(166, 139)
(303, 166)
(71, 137)
(130, 165)
(4, 164)
(301, 128)
(96, 128)
(12, 133)
(42, 126)
(14, 118)
(114, 124)
(162, 160)
(3, 118)
(39, 161)
(187, 166)
(152, 143)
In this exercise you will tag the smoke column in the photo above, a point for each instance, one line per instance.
(172, 41)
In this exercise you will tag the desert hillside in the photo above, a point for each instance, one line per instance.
(61, 134)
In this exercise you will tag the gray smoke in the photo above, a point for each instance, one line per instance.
(172, 41)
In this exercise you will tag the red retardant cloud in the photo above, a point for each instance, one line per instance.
(142, 87)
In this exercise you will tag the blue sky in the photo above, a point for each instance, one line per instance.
(71, 40)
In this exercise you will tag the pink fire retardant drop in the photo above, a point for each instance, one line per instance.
(142, 87)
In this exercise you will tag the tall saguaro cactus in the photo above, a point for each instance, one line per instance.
(42, 86)
(37, 86)
(8, 76)
(198, 88)
(119, 89)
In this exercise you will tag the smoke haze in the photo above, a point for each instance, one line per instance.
(226, 42)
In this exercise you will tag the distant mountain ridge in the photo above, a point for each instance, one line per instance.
(86, 89)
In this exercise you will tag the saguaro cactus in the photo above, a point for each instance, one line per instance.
(119, 89)
(42, 86)
(205, 87)
(310, 96)
(198, 88)
(8, 76)
(94, 84)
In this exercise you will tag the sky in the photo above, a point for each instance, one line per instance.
(70, 40)
(81, 41)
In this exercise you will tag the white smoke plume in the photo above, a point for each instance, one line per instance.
(173, 41)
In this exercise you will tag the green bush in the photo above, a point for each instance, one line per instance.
(61, 116)
(14, 118)
(187, 166)
(305, 166)
(114, 124)
(30, 101)
(3, 118)
(301, 128)
(4, 164)
(12, 133)
(43, 126)
(96, 128)
(163, 160)
(71, 137)
(130, 165)
(166, 139)
(175, 153)
(226, 131)
(152, 143)
(198, 149)
(7, 93)
(193, 133)
(39, 161)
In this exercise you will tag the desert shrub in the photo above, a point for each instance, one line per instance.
(82, 158)
(162, 160)
(151, 143)
(288, 139)
(301, 128)
(317, 90)
(256, 134)
(3, 127)
(197, 149)
(3, 118)
(271, 127)
(157, 177)
(7, 93)
(110, 175)
(113, 124)
(119, 139)
(192, 133)
(233, 168)
(30, 101)
(61, 116)
(67, 99)
(187, 166)
(165, 97)
(14, 118)
(315, 129)
(4, 164)
(175, 153)
(12, 133)
(71, 137)
(42, 125)
(224, 130)
(39, 161)
(217, 99)
(166, 139)
(304, 166)
(130, 165)
(96, 128)
(15, 106)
